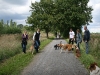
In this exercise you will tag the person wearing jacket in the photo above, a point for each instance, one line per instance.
(78, 38)
(86, 39)
(36, 39)
(24, 41)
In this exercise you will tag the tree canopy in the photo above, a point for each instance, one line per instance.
(54, 15)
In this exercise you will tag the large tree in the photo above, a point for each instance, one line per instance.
(60, 15)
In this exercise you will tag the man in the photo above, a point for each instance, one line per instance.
(71, 36)
(86, 38)
(36, 39)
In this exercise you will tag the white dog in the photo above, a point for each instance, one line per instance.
(94, 69)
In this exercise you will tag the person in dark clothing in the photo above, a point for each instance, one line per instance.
(24, 41)
(86, 38)
(36, 39)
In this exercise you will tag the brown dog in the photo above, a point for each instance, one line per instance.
(32, 49)
(66, 47)
(94, 69)
(77, 51)
(78, 54)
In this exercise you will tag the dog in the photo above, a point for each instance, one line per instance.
(58, 46)
(77, 51)
(32, 49)
(66, 47)
(94, 69)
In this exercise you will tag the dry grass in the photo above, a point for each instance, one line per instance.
(9, 41)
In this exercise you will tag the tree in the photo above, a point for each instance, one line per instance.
(41, 16)
(60, 15)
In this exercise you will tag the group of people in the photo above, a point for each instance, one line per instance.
(72, 38)
(78, 38)
(36, 40)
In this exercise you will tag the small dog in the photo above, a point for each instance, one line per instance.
(94, 69)
(58, 46)
(78, 53)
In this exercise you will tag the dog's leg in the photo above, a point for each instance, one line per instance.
(61, 50)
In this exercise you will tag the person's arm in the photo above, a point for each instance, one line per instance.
(39, 37)
(34, 36)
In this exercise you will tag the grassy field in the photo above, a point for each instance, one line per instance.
(12, 59)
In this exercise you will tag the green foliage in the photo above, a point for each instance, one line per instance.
(60, 15)
(9, 29)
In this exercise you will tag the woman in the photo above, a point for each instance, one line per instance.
(24, 41)
(78, 38)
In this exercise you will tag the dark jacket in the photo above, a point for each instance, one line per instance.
(37, 35)
(24, 39)
(86, 35)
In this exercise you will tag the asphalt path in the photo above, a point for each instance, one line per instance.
(51, 62)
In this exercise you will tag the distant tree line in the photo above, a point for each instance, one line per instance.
(60, 15)
(9, 27)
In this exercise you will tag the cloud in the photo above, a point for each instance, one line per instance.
(18, 10)
(16, 2)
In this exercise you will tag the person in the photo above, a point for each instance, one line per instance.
(71, 36)
(86, 39)
(24, 41)
(36, 39)
(78, 38)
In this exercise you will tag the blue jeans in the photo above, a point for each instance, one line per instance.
(36, 45)
(24, 47)
(87, 47)
(78, 44)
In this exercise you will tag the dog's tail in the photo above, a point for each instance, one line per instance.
(60, 42)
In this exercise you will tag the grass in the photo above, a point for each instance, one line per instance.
(94, 51)
(14, 65)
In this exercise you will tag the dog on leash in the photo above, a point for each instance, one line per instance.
(32, 49)
(94, 69)
(58, 46)
(66, 47)
(77, 51)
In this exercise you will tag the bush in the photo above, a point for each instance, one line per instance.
(11, 30)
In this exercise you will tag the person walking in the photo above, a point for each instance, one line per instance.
(24, 41)
(36, 39)
(86, 39)
(78, 38)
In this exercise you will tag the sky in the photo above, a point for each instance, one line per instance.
(18, 10)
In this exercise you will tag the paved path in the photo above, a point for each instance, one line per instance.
(52, 62)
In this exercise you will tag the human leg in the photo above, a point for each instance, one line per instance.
(24, 48)
(87, 47)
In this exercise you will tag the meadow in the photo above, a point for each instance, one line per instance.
(12, 59)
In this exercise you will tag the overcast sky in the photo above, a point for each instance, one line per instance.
(18, 10)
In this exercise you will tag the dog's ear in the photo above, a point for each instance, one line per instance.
(92, 66)
(95, 63)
